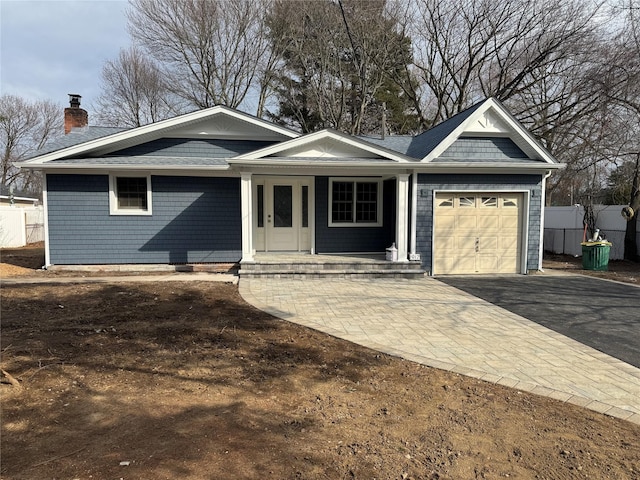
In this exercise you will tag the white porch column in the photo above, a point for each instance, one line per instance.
(402, 216)
(414, 212)
(247, 216)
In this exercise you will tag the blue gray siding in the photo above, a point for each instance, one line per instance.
(427, 183)
(354, 239)
(470, 149)
(194, 220)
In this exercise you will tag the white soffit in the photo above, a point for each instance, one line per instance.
(225, 126)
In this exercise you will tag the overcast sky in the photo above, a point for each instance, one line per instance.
(49, 48)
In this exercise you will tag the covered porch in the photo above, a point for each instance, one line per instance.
(295, 218)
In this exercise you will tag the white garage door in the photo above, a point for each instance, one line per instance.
(478, 233)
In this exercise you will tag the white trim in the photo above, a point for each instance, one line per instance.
(109, 169)
(533, 167)
(543, 201)
(113, 166)
(355, 180)
(526, 209)
(312, 213)
(307, 167)
(524, 254)
(246, 202)
(20, 199)
(45, 203)
(113, 197)
(414, 212)
(321, 135)
(156, 130)
(402, 216)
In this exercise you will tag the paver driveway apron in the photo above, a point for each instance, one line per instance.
(435, 324)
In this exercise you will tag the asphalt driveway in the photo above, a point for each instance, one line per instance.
(601, 314)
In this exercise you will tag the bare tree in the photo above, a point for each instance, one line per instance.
(134, 91)
(467, 50)
(211, 51)
(618, 76)
(336, 64)
(24, 128)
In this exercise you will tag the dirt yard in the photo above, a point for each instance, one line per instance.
(185, 380)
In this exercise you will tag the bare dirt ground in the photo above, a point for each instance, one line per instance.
(619, 270)
(185, 380)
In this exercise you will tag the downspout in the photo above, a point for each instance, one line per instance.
(45, 206)
(543, 201)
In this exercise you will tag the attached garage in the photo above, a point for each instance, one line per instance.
(478, 232)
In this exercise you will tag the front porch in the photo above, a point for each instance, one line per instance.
(301, 265)
(327, 214)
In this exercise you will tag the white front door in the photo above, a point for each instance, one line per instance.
(283, 214)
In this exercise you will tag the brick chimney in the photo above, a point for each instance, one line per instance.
(74, 116)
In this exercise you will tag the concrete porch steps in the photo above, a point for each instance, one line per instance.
(319, 266)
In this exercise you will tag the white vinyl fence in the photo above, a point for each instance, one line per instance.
(21, 226)
(563, 229)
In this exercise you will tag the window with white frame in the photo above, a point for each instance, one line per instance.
(130, 194)
(355, 202)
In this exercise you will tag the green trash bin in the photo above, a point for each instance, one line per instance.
(595, 255)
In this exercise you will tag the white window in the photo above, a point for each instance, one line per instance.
(467, 201)
(445, 202)
(130, 194)
(355, 202)
(489, 202)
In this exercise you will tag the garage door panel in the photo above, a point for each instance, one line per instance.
(467, 221)
(510, 222)
(478, 233)
(508, 244)
(489, 221)
(447, 222)
(446, 246)
(488, 263)
(464, 264)
(488, 244)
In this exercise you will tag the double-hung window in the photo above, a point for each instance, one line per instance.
(130, 195)
(355, 202)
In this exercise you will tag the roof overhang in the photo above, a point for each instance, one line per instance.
(497, 168)
(214, 122)
(326, 143)
(47, 167)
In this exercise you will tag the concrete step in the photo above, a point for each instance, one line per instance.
(306, 266)
(332, 270)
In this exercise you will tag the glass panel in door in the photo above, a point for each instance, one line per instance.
(282, 206)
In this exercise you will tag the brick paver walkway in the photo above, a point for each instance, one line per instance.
(434, 324)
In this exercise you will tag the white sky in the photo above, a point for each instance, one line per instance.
(49, 48)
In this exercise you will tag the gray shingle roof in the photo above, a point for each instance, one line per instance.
(76, 137)
(421, 145)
